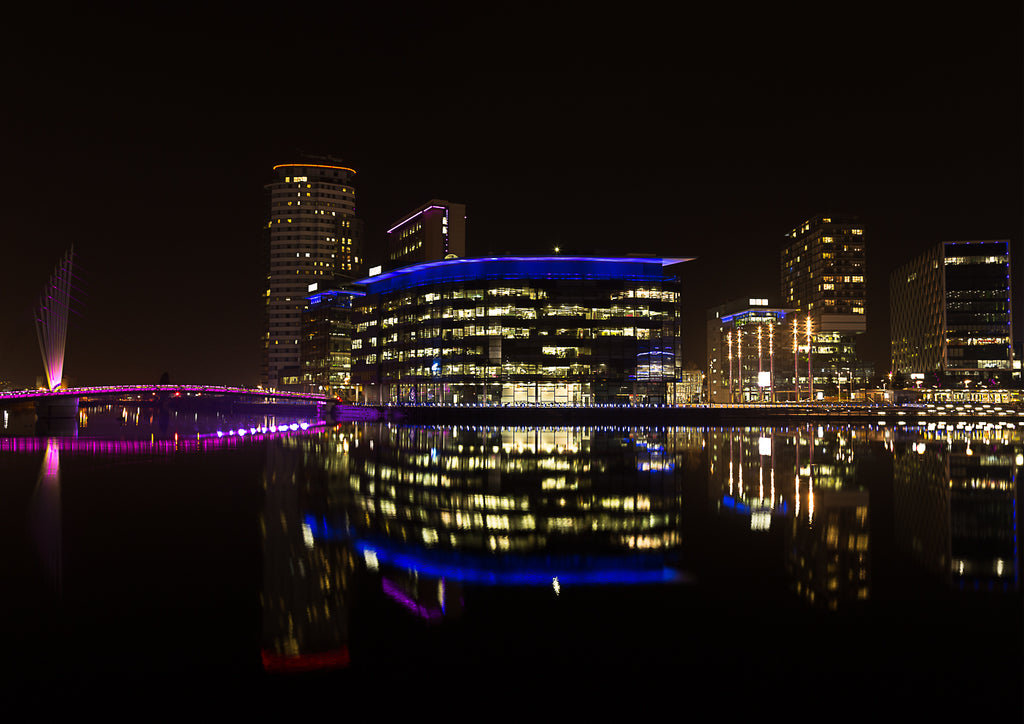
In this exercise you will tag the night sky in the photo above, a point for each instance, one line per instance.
(145, 141)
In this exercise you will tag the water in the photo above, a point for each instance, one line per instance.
(816, 570)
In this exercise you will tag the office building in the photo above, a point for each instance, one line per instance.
(325, 349)
(823, 273)
(312, 237)
(433, 231)
(520, 330)
(823, 269)
(750, 353)
(950, 313)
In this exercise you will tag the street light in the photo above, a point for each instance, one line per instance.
(796, 356)
(760, 390)
(739, 360)
(728, 338)
(810, 375)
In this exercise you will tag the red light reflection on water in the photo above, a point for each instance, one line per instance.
(336, 659)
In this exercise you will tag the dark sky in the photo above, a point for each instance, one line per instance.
(146, 141)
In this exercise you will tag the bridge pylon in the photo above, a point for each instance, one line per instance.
(52, 320)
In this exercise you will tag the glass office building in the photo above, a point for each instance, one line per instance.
(555, 330)
(950, 311)
(325, 351)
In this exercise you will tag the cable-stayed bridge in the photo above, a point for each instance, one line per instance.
(55, 402)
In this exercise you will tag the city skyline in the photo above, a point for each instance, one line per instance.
(603, 138)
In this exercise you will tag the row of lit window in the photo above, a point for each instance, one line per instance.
(522, 293)
(410, 230)
(957, 260)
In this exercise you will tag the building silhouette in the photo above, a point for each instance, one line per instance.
(312, 237)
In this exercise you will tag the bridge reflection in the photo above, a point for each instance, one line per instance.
(179, 443)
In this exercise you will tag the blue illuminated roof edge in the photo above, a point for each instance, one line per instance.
(412, 269)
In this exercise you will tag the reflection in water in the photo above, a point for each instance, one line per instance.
(955, 505)
(304, 598)
(803, 478)
(499, 505)
(46, 514)
(431, 510)
(462, 534)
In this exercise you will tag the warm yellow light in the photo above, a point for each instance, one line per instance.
(313, 165)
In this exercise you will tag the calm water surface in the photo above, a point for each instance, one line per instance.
(817, 571)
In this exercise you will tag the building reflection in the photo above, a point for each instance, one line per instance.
(435, 508)
(955, 504)
(954, 500)
(426, 511)
(306, 585)
(802, 480)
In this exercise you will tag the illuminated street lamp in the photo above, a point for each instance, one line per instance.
(760, 390)
(771, 360)
(728, 338)
(796, 356)
(739, 360)
(810, 376)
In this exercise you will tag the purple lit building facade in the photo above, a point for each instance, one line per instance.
(520, 330)
(312, 236)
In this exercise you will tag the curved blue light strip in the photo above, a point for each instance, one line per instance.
(512, 570)
(520, 267)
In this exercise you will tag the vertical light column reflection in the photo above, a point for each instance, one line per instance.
(810, 475)
(46, 514)
(796, 480)
(730, 465)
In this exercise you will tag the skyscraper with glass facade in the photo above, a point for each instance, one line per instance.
(950, 311)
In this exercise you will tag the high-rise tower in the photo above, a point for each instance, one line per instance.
(312, 237)
(823, 272)
(823, 267)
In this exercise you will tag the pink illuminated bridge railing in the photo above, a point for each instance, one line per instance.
(190, 390)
